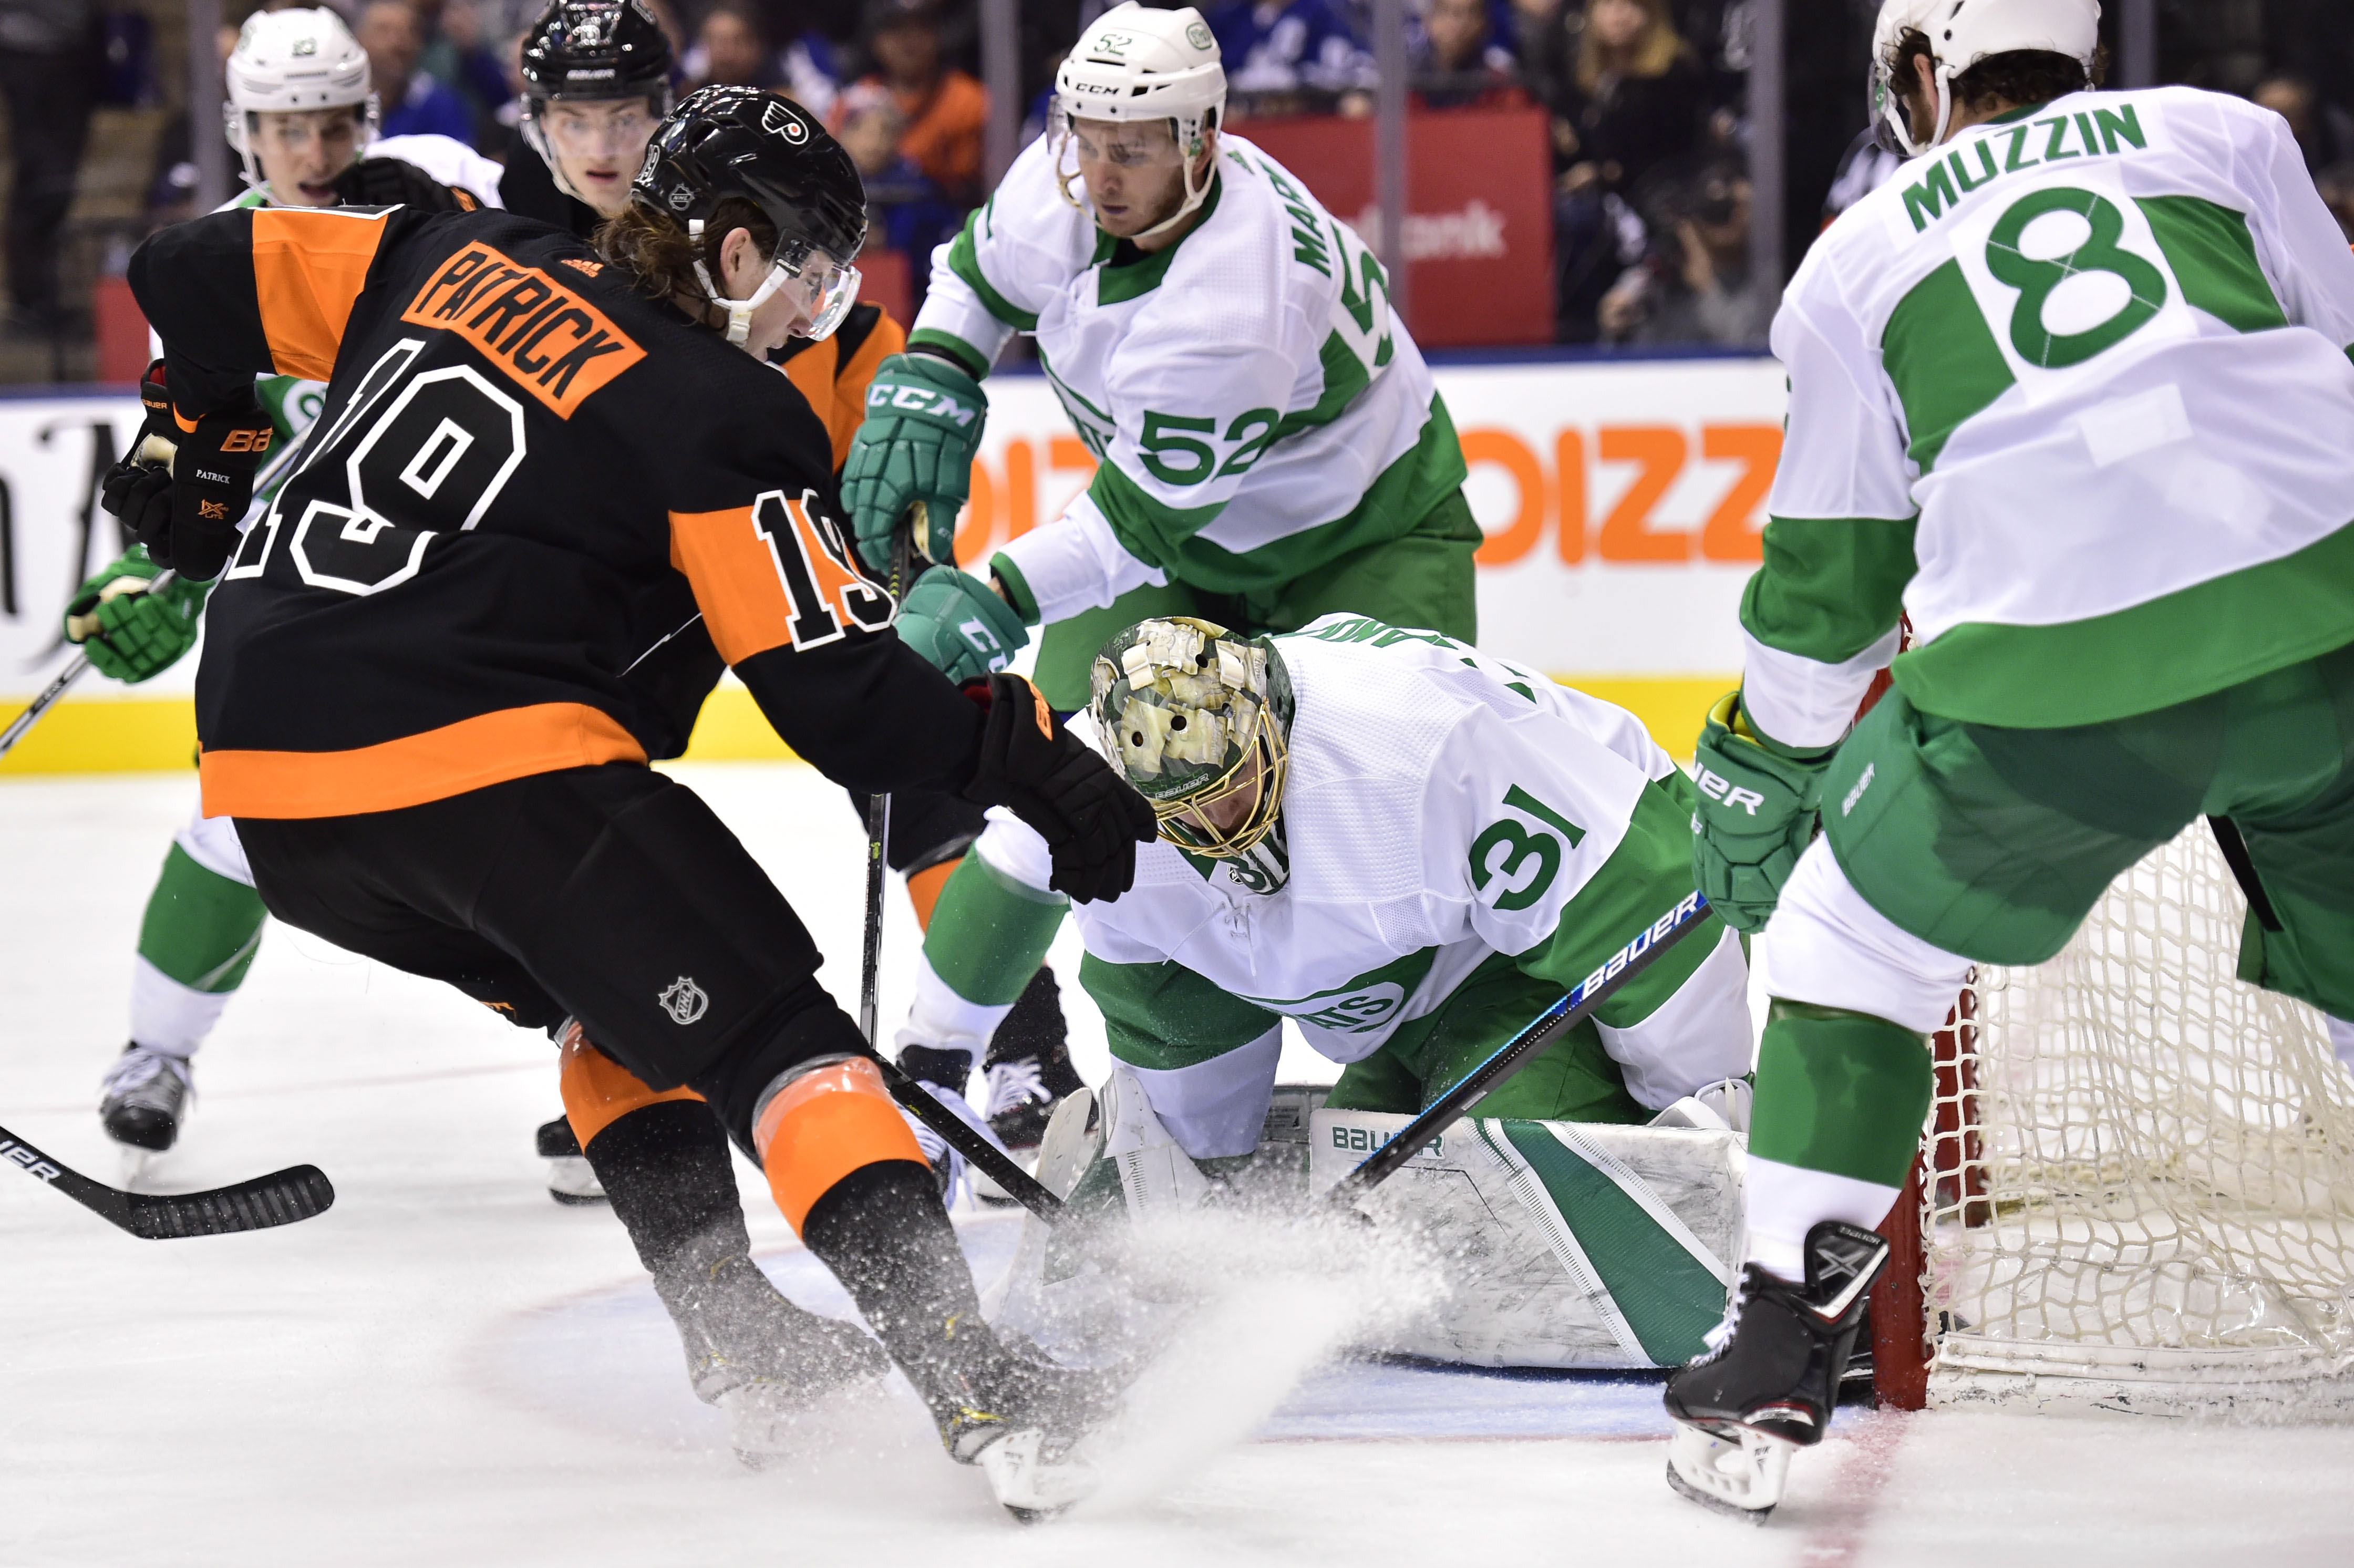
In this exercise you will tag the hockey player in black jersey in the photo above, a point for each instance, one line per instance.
(597, 77)
(535, 461)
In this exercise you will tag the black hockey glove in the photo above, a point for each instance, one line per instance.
(392, 181)
(184, 493)
(1091, 818)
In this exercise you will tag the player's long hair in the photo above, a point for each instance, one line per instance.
(1657, 50)
(2022, 75)
(654, 249)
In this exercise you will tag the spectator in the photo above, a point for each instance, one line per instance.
(1695, 286)
(731, 49)
(414, 102)
(906, 211)
(48, 69)
(1457, 63)
(1635, 98)
(1279, 53)
(2324, 131)
(945, 110)
(1545, 47)
(2335, 184)
(455, 54)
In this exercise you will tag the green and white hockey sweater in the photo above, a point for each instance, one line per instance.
(1255, 411)
(2071, 393)
(1442, 806)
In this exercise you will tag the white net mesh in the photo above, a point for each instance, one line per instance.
(2142, 1169)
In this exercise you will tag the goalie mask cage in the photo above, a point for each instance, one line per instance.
(2136, 1186)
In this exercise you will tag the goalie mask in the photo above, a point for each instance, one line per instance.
(1200, 719)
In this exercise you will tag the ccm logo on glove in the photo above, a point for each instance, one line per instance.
(1716, 787)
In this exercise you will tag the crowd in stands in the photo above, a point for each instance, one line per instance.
(1643, 104)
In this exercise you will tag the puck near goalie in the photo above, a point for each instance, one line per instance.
(2071, 393)
(1410, 850)
(1270, 445)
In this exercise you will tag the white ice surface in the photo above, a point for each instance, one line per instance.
(449, 1368)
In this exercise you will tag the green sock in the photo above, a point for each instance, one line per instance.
(990, 933)
(201, 929)
(1841, 1092)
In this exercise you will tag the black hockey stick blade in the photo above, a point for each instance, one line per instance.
(1019, 1184)
(280, 1198)
(1517, 1053)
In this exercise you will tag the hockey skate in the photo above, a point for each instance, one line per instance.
(1768, 1389)
(760, 1358)
(1029, 1074)
(1022, 1420)
(569, 1177)
(142, 1100)
(950, 1171)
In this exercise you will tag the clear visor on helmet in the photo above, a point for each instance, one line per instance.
(1235, 811)
(1886, 109)
(822, 288)
(577, 128)
(1123, 143)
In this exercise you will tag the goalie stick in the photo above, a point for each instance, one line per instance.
(280, 1198)
(1516, 1052)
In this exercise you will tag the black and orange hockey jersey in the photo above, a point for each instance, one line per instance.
(527, 476)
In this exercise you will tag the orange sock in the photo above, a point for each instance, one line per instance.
(924, 889)
(824, 1125)
(599, 1091)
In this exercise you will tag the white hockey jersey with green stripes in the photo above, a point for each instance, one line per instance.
(1442, 807)
(2074, 384)
(1254, 409)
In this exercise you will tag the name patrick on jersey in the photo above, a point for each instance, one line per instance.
(550, 340)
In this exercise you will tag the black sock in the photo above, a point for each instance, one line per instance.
(883, 1233)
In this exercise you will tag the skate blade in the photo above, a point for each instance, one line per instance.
(1031, 1486)
(136, 1161)
(571, 1179)
(1742, 1477)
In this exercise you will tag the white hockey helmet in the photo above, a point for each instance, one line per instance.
(1961, 32)
(1138, 65)
(292, 61)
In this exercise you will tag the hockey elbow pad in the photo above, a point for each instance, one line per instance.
(1091, 818)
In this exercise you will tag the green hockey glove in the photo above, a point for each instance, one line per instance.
(953, 619)
(924, 419)
(1759, 802)
(130, 633)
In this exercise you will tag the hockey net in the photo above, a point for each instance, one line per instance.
(2136, 1189)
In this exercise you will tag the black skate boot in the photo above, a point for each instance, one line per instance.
(758, 1357)
(142, 1103)
(1029, 1074)
(1769, 1388)
(569, 1177)
(1021, 1418)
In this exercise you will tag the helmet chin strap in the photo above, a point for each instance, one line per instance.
(739, 311)
(1914, 147)
(1194, 195)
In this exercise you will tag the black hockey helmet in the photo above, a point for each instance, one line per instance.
(746, 141)
(597, 49)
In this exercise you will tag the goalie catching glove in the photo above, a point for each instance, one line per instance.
(1759, 805)
(1091, 819)
(185, 507)
(924, 419)
(130, 632)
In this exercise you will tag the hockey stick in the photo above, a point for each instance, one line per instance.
(1517, 1053)
(280, 1198)
(1019, 1184)
(878, 816)
(56, 688)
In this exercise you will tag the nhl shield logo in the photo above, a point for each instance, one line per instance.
(684, 1000)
